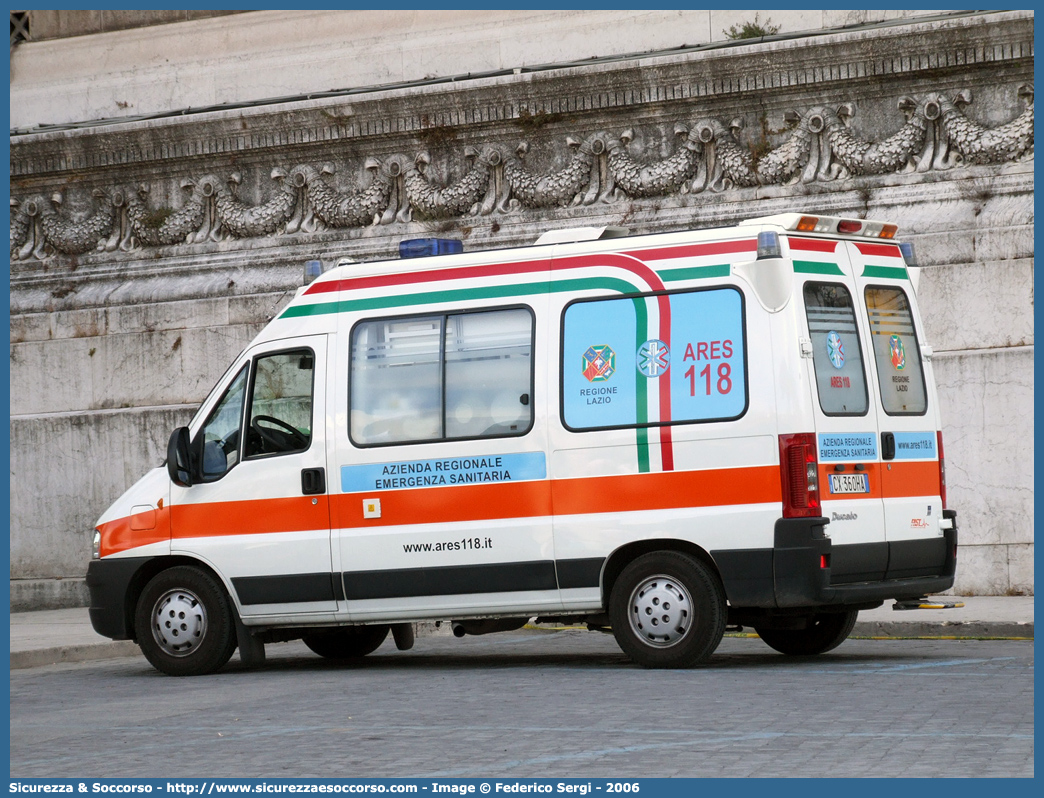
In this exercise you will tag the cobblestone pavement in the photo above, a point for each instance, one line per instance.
(539, 704)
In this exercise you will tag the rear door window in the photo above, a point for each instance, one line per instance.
(896, 351)
(836, 355)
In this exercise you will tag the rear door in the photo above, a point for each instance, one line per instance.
(908, 422)
(837, 359)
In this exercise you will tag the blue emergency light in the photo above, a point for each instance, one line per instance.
(423, 247)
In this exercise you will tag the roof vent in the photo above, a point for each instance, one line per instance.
(573, 234)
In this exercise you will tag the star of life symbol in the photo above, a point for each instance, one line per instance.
(654, 358)
(598, 363)
(895, 346)
(835, 349)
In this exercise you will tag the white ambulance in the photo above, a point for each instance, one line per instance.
(659, 435)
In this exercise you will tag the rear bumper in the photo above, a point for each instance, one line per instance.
(805, 569)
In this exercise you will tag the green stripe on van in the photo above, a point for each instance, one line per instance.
(696, 273)
(886, 272)
(816, 267)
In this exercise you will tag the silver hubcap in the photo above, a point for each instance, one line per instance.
(179, 622)
(660, 611)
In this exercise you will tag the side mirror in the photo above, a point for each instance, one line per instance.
(178, 463)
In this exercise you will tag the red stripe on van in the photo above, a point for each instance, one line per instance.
(430, 276)
(879, 250)
(696, 250)
(812, 244)
(530, 267)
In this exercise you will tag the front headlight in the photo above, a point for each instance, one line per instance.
(96, 545)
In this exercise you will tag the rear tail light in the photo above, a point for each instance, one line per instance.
(942, 469)
(799, 475)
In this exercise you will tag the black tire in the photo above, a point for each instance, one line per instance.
(184, 622)
(351, 642)
(825, 631)
(667, 610)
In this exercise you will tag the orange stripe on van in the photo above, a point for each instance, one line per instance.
(667, 490)
(891, 480)
(872, 471)
(127, 532)
(491, 501)
(920, 478)
(257, 517)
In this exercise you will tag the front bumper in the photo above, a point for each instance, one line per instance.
(110, 582)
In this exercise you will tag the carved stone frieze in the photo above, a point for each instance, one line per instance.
(713, 156)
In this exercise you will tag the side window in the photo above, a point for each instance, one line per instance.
(488, 372)
(648, 360)
(836, 355)
(896, 351)
(432, 378)
(218, 442)
(280, 418)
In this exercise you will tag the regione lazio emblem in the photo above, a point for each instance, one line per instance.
(895, 345)
(654, 358)
(835, 349)
(598, 363)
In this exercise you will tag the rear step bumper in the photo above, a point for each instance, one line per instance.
(799, 570)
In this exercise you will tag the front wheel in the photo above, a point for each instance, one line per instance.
(825, 631)
(350, 642)
(184, 622)
(667, 610)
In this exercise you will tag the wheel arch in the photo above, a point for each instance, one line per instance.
(619, 559)
(156, 566)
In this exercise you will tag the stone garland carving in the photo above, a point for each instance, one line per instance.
(819, 147)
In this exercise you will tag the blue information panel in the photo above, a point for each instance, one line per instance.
(442, 472)
(915, 446)
(624, 364)
(837, 446)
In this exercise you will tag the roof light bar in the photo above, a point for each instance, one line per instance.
(805, 223)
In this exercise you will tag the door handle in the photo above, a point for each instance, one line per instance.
(313, 481)
(887, 446)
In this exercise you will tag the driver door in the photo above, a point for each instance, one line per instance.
(259, 513)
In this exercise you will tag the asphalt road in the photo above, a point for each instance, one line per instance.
(539, 704)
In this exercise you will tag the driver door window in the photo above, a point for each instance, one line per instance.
(280, 416)
(220, 439)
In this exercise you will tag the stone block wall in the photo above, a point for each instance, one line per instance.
(146, 254)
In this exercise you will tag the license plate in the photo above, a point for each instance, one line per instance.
(849, 483)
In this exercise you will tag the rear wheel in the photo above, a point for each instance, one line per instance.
(184, 622)
(825, 631)
(667, 610)
(348, 643)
